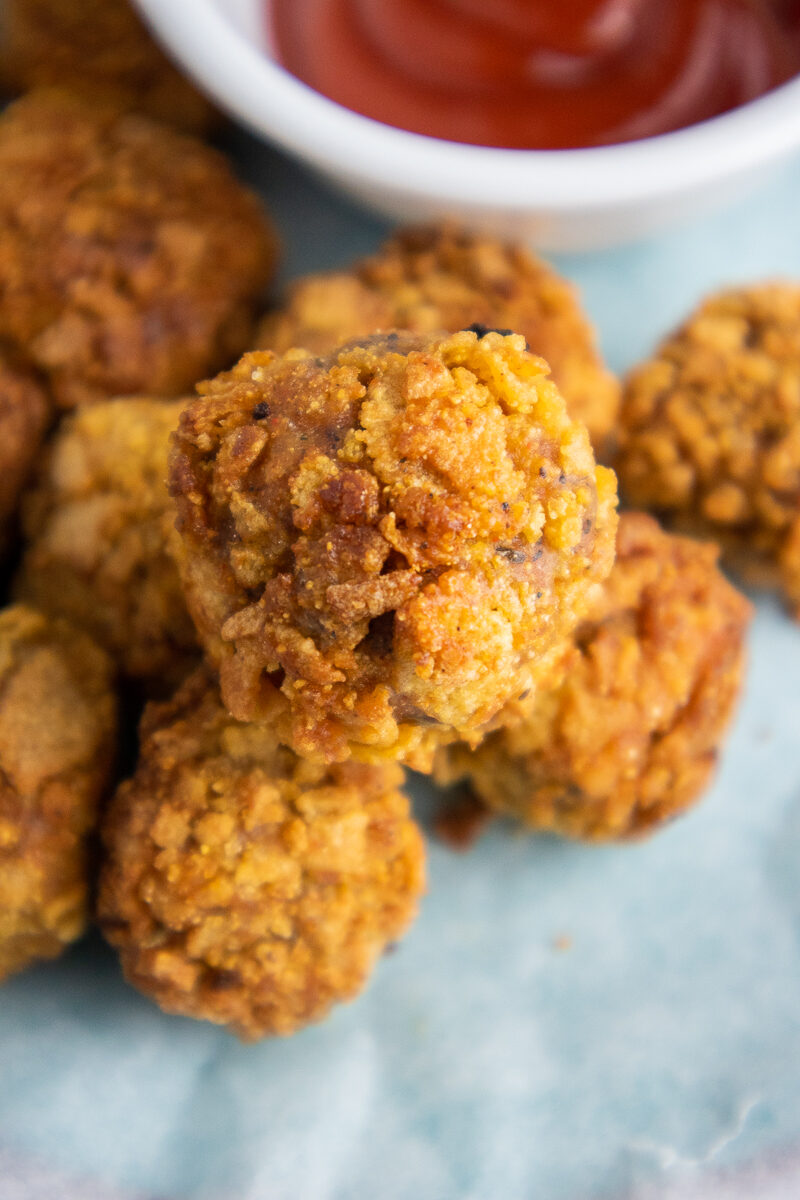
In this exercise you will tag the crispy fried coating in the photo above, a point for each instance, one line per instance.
(25, 412)
(244, 885)
(130, 257)
(441, 279)
(629, 737)
(57, 732)
(99, 524)
(710, 431)
(386, 540)
(100, 49)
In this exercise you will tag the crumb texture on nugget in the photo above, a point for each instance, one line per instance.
(130, 256)
(630, 736)
(57, 742)
(244, 885)
(25, 414)
(389, 539)
(710, 431)
(102, 50)
(99, 525)
(430, 280)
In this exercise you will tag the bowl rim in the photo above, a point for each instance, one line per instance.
(266, 97)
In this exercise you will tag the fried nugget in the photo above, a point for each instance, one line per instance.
(99, 525)
(25, 413)
(57, 729)
(130, 257)
(442, 279)
(102, 50)
(244, 885)
(387, 540)
(630, 736)
(710, 432)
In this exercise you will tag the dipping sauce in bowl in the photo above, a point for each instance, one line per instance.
(539, 74)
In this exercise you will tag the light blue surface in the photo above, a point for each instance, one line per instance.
(658, 1058)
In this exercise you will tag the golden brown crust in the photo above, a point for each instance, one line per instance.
(99, 525)
(25, 413)
(441, 279)
(99, 49)
(130, 257)
(244, 885)
(710, 431)
(389, 539)
(629, 738)
(57, 725)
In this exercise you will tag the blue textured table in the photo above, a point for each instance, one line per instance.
(657, 1058)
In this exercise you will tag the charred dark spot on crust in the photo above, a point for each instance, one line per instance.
(752, 337)
(482, 330)
(584, 637)
(379, 640)
(223, 980)
(261, 411)
(513, 556)
(587, 525)
(395, 561)
(505, 506)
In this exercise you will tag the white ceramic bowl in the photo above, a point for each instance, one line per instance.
(560, 200)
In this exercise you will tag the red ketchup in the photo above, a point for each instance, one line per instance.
(539, 74)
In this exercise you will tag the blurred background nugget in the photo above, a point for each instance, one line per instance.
(709, 432)
(99, 524)
(244, 885)
(57, 744)
(442, 279)
(131, 258)
(630, 736)
(99, 49)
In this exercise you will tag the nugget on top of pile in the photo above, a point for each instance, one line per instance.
(710, 431)
(99, 524)
(131, 259)
(627, 735)
(57, 741)
(438, 279)
(389, 539)
(99, 49)
(245, 885)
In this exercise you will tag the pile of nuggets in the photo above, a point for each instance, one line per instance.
(378, 540)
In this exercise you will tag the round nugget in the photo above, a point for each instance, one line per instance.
(441, 279)
(99, 525)
(630, 736)
(57, 727)
(25, 412)
(100, 49)
(244, 885)
(386, 540)
(710, 431)
(130, 257)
